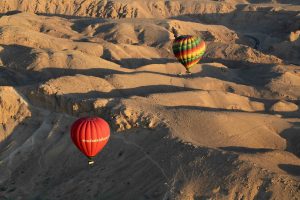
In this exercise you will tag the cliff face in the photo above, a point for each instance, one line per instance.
(13, 110)
(116, 9)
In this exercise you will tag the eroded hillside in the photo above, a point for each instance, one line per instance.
(228, 131)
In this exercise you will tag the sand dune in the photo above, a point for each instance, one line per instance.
(228, 131)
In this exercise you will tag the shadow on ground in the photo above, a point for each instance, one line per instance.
(293, 170)
(292, 136)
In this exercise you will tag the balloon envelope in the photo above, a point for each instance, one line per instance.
(90, 135)
(188, 50)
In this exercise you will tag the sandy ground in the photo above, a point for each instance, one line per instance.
(229, 131)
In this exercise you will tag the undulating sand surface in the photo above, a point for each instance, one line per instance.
(231, 130)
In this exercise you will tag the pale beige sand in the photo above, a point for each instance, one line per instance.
(229, 131)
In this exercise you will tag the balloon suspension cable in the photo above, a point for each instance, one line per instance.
(91, 162)
(175, 32)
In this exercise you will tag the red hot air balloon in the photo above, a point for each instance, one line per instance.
(90, 135)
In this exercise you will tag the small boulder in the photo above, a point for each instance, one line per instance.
(284, 106)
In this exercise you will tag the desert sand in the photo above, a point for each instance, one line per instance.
(231, 130)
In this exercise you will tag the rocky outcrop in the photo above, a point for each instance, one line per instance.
(115, 9)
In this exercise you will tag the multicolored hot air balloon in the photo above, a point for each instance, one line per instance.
(90, 135)
(188, 50)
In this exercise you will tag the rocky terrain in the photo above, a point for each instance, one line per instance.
(228, 131)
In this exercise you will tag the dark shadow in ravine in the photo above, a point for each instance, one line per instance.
(292, 136)
(126, 93)
(292, 114)
(9, 13)
(293, 170)
(12, 78)
(16, 56)
(246, 150)
(68, 16)
(134, 63)
(211, 109)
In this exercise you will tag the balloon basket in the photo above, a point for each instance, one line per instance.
(91, 162)
(188, 72)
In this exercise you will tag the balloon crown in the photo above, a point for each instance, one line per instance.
(183, 37)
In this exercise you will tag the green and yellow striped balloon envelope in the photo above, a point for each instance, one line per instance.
(188, 50)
